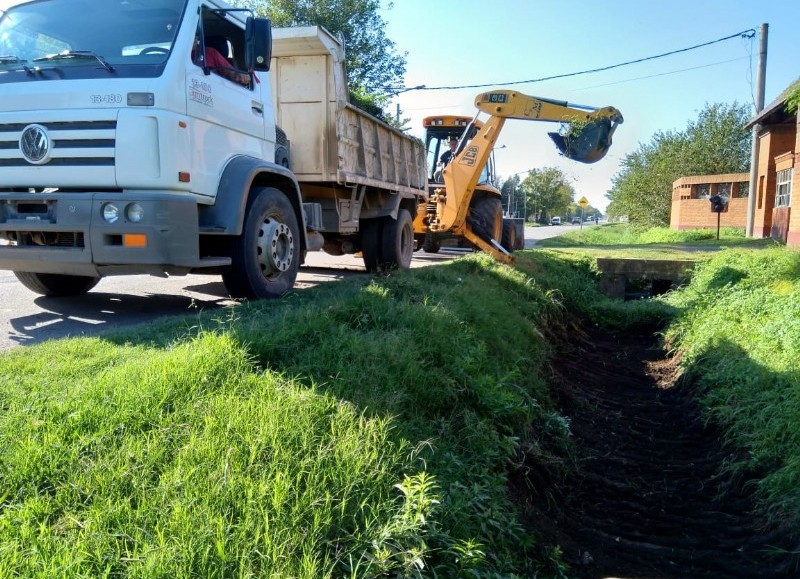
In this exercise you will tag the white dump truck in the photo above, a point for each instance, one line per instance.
(175, 136)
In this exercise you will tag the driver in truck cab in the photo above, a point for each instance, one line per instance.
(217, 63)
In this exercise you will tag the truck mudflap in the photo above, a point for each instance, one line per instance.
(99, 233)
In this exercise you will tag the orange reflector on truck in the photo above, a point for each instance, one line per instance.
(134, 240)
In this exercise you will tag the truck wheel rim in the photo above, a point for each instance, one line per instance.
(275, 247)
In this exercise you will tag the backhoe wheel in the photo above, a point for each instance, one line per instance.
(432, 243)
(371, 235)
(56, 284)
(266, 256)
(509, 241)
(397, 243)
(486, 218)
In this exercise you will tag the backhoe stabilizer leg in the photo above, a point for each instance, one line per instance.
(492, 247)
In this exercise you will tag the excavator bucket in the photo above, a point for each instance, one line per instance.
(588, 144)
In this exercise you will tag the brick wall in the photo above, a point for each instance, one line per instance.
(691, 208)
(793, 235)
(774, 141)
(696, 214)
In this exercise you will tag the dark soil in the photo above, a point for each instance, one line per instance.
(648, 500)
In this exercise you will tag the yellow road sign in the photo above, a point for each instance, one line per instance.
(583, 202)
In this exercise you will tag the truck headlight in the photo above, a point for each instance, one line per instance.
(110, 212)
(134, 212)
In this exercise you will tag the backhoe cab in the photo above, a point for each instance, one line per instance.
(461, 208)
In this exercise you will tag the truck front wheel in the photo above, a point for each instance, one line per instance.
(56, 284)
(266, 256)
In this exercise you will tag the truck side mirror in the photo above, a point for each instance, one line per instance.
(258, 44)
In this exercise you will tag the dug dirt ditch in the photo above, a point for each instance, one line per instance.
(647, 500)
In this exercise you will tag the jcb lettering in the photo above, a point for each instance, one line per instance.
(470, 156)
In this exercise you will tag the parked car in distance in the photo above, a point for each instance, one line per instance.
(576, 220)
(555, 221)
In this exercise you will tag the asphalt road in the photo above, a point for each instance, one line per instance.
(27, 318)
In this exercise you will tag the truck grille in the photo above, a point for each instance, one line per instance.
(73, 143)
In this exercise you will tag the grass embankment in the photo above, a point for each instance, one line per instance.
(739, 337)
(736, 328)
(360, 429)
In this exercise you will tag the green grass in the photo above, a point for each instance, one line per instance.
(623, 240)
(360, 429)
(739, 338)
(366, 428)
(735, 328)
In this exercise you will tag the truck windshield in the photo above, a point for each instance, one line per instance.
(96, 34)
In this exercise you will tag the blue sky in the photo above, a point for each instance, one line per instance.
(470, 42)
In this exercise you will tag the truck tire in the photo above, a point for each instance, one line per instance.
(432, 243)
(397, 241)
(266, 256)
(56, 284)
(509, 241)
(486, 218)
(387, 243)
(371, 235)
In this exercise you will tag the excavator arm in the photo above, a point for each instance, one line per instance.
(587, 141)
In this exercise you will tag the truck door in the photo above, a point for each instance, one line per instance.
(228, 116)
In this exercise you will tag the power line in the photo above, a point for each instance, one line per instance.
(747, 34)
(665, 73)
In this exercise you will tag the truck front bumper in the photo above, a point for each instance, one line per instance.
(67, 233)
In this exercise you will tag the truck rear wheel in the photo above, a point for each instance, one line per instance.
(56, 284)
(398, 241)
(486, 217)
(266, 256)
(388, 243)
(371, 233)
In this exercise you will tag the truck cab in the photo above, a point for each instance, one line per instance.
(140, 137)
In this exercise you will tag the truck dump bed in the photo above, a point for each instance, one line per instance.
(331, 140)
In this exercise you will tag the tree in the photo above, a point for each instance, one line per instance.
(547, 193)
(512, 196)
(717, 142)
(371, 60)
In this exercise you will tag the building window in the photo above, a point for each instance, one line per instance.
(703, 190)
(743, 190)
(783, 192)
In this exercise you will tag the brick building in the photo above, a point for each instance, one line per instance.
(778, 142)
(691, 208)
(776, 178)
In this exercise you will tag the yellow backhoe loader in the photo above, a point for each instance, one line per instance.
(458, 206)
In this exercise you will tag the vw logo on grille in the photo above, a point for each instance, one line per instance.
(35, 144)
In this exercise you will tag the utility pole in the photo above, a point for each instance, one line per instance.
(760, 81)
